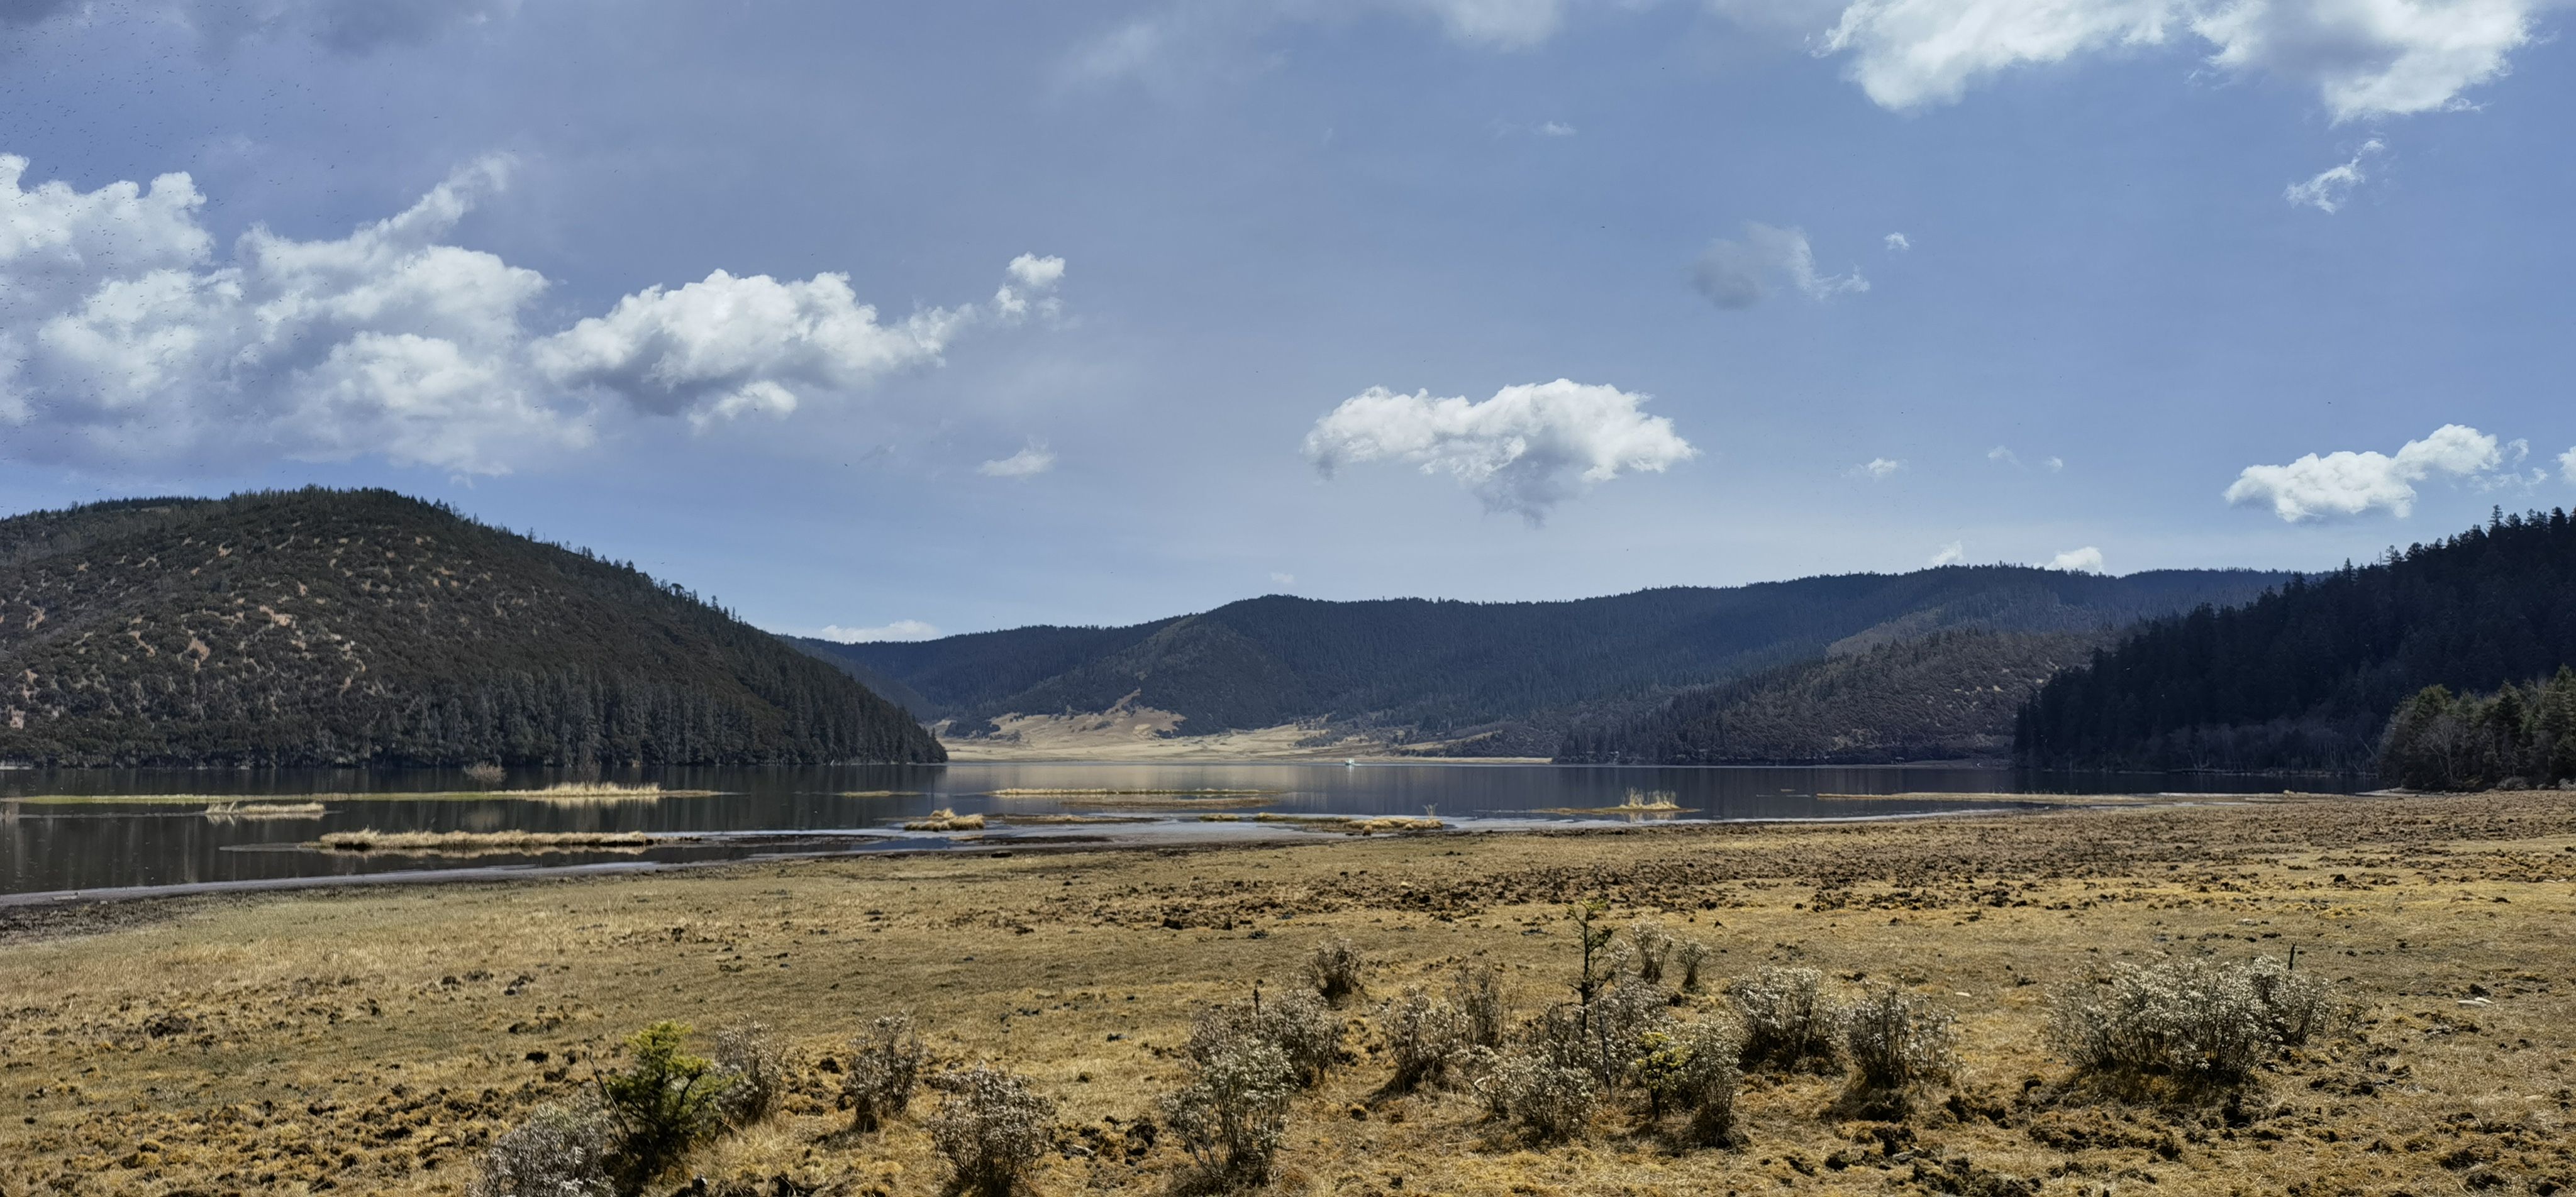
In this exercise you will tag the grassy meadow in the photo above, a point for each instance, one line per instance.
(377, 1040)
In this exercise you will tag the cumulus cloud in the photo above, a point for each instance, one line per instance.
(2004, 455)
(1553, 129)
(2086, 560)
(1952, 553)
(124, 341)
(2362, 57)
(1897, 243)
(1739, 274)
(901, 629)
(2349, 484)
(1199, 38)
(1028, 462)
(2329, 189)
(2567, 464)
(1278, 579)
(1525, 450)
(1877, 468)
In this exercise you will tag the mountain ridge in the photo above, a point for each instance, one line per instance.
(364, 627)
(1445, 669)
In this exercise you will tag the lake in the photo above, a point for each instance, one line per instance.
(101, 830)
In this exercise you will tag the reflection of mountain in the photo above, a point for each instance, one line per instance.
(1492, 678)
(362, 627)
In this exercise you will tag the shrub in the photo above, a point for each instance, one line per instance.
(753, 1065)
(1477, 995)
(1233, 1114)
(1424, 1035)
(1694, 1069)
(661, 1106)
(2201, 1024)
(557, 1152)
(2298, 1006)
(1789, 1022)
(1604, 1039)
(1296, 1022)
(1897, 1041)
(484, 773)
(1692, 957)
(1548, 1101)
(885, 1064)
(990, 1129)
(1334, 971)
(1654, 946)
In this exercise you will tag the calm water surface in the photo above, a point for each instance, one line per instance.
(49, 846)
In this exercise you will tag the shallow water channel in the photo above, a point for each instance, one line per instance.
(117, 830)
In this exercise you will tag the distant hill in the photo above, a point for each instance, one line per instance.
(322, 627)
(1504, 678)
(2307, 678)
(1950, 695)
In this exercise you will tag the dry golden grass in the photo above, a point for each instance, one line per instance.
(223, 812)
(468, 843)
(371, 1039)
(945, 819)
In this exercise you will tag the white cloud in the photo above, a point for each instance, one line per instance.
(901, 629)
(2567, 464)
(2086, 560)
(2055, 465)
(348, 26)
(1738, 274)
(1031, 281)
(1952, 553)
(1524, 450)
(2330, 188)
(124, 342)
(2362, 57)
(1897, 243)
(2348, 484)
(1028, 462)
(1553, 129)
(1877, 468)
(2004, 455)
(1278, 579)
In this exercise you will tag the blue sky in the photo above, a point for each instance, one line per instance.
(978, 314)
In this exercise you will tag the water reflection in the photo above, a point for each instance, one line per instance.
(218, 833)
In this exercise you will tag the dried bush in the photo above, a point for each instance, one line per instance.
(754, 1067)
(2299, 1006)
(1605, 1039)
(1333, 971)
(1548, 1101)
(885, 1064)
(662, 1105)
(1897, 1041)
(1233, 1114)
(990, 1129)
(484, 773)
(2199, 1023)
(1653, 947)
(558, 1152)
(1477, 994)
(1295, 1022)
(1694, 1069)
(1789, 1021)
(1691, 956)
(1425, 1037)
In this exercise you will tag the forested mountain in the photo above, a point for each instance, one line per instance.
(322, 627)
(2306, 678)
(1945, 696)
(1517, 674)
